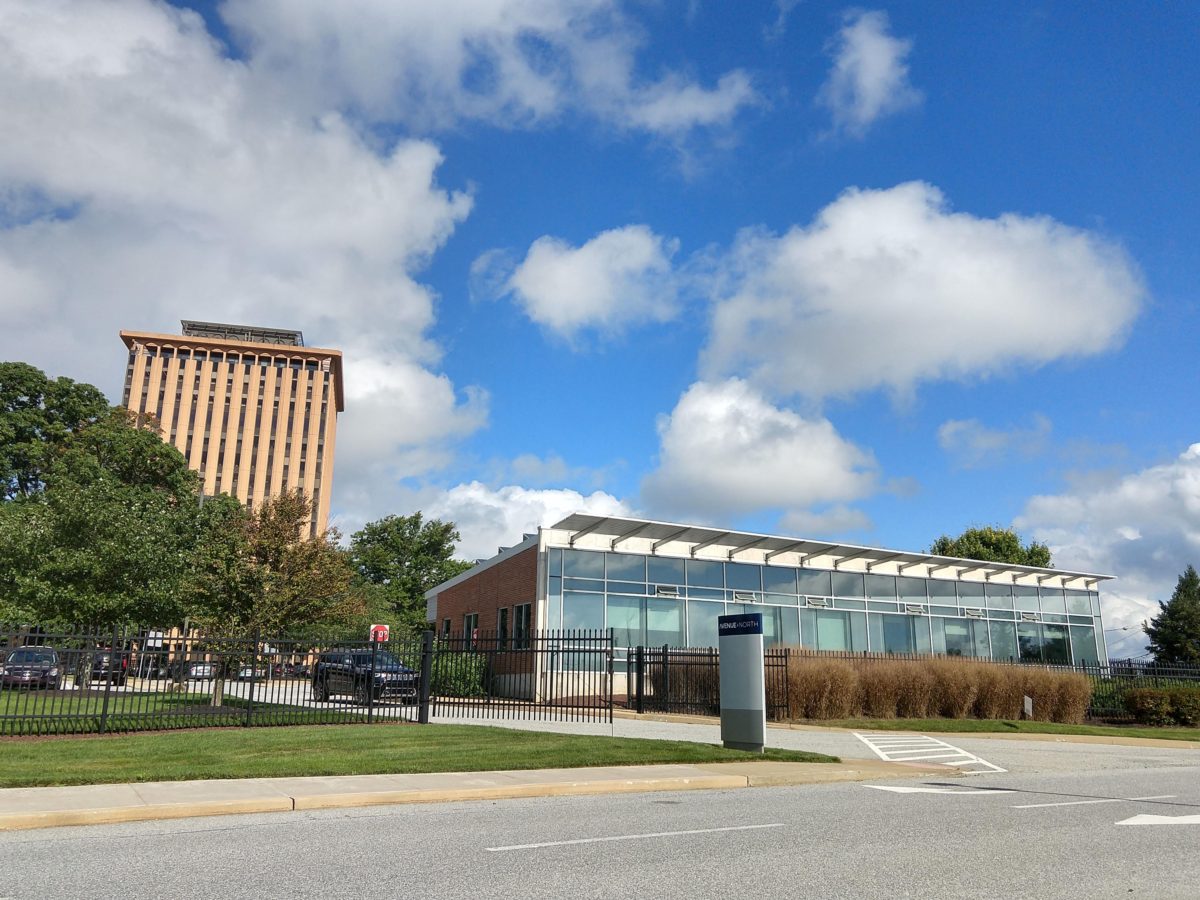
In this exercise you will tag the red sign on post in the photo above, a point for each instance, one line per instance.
(379, 633)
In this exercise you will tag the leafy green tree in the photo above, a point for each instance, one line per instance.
(993, 544)
(109, 534)
(399, 558)
(37, 415)
(261, 572)
(1175, 632)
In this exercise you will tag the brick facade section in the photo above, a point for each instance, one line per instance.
(508, 583)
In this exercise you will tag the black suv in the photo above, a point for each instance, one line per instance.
(363, 675)
(111, 664)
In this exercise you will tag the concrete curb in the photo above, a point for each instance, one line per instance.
(29, 808)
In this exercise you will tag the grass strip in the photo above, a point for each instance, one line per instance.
(338, 750)
(1005, 726)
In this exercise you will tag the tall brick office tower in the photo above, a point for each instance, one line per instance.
(252, 409)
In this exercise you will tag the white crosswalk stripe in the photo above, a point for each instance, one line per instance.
(922, 748)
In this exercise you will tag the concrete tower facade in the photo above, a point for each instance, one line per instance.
(252, 409)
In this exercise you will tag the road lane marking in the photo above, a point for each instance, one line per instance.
(896, 748)
(1161, 820)
(1086, 802)
(895, 789)
(632, 837)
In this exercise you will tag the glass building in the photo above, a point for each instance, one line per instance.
(656, 584)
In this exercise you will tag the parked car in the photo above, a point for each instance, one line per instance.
(111, 664)
(363, 675)
(198, 671)
(252, 673)
(32, 667)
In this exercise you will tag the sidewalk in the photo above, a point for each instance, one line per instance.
(49, 807)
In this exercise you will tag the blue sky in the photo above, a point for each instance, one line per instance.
(870, 273)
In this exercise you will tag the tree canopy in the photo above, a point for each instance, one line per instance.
(37, 415)
(399, 558)
(993, 544)
(1175, 632)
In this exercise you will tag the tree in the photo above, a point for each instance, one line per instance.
(37, 415)
(1175, 632)
(993, 544)
(400, 558)
(107, 534)
(262, 573)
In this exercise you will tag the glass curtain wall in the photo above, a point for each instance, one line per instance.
(655, 601)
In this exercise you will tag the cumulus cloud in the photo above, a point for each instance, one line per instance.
(974, 445)
(619, 278)
(156, 180)
(490, 518)
(869, 76)
(726, 451)
(888, 288)
(506, 62)
(1143, 527)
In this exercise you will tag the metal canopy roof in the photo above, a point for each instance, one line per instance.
(698, 541)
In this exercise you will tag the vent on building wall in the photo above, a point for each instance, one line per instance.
(745, 596)
(973, 613)
(663, 591)
(819, 602)
(914, 609)
(1029, 617)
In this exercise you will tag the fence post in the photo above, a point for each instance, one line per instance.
(666, 669)
(371, 681)
(253, 679)
(640, 680)
(609, 659)
(426, 687)
(108, 681)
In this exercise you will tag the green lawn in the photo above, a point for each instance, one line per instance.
(1010, 727)
(336, 750)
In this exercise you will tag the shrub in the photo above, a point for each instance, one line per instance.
(879, 689)
(1185, 705)
(999, 693)
(956, 685)
(1042, 687)
(916, 690)
(821, 689)
(1149, 706)
(459, 675)
(1074, 698)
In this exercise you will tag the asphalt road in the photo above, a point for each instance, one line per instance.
(1001, 835)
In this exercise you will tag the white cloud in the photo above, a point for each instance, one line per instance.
(888, 288)
(490, 518)
(618, 278)
(1143, 527)
(972, 444)
(869, 77)
(155, 180)
(826, 523)
(506, 62)
(726, 451)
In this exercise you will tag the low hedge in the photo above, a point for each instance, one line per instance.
(1164, 706)
(947, 687)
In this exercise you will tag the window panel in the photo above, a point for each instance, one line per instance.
(1083, 646)
(582, 610)
(779, 580)
(814, 583)
(664, 622)
(702, 623)
(625, 619)
(626, 567)
(1079, 603)
(833, 630)
(1055, 647)
(743, 577)
(583, 563)
(705, 573)
(1004, 641)
(664, 570)
(1053, 600)
(881, 587)
(944, 592)
(911, 590)
(847, 584)
(999, 596)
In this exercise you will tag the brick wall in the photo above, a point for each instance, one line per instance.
(508, 583)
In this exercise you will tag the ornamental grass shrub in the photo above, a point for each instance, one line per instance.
(1164, 706)
(878, 687)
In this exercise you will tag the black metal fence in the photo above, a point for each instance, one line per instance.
(687, 680)
(111, 680)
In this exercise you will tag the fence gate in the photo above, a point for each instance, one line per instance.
(688, 681)
(546, 676)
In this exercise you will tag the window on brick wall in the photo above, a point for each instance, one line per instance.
(522, 616)
(502, 630)
(445, 628)
(470, 627)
